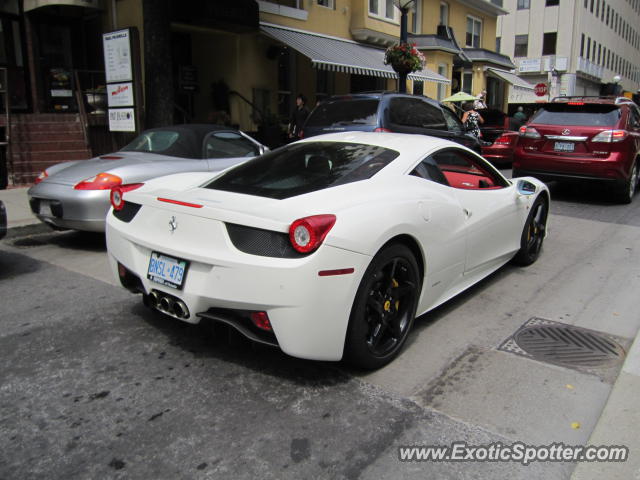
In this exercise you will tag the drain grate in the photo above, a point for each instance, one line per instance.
(562, 344)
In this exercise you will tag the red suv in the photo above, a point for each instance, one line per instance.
(583, 138)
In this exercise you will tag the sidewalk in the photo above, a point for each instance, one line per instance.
(618, 425)
(17, 205)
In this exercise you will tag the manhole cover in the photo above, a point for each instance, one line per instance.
(568, 345)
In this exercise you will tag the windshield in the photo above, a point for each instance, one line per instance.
(303, 168)
(154, 141)
(344, 112)
(594, 115)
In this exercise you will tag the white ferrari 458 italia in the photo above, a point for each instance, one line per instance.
(327, 247)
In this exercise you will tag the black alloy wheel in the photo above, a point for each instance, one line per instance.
(384, 308)
(533, 233)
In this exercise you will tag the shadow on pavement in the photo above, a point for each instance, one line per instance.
(205, 340)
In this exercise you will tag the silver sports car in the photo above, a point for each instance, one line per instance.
(75, 195)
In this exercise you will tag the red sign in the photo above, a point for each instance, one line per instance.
(540, 89)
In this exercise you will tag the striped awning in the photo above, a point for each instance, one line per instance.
(340, 55)
(512, 78)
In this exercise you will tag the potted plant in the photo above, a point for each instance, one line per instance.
(404, 58)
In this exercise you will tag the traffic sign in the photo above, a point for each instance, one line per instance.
(540, 89)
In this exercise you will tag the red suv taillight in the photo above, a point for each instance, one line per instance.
(610, 136)
(529, 132)
(307, 234)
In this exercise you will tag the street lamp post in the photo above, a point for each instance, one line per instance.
(404, 6)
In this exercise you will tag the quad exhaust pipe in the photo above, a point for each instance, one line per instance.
(168, 304)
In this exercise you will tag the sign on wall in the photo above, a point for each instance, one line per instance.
(117, 56)
(529, 65)
(120, 94)
(122, 120)
(121, 59)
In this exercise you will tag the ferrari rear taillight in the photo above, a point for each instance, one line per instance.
(380, 129)
(529, 132)
(610, 136)
(41, 177)
(102, 181)
(261, 320)
(307, 234)
(117, 194)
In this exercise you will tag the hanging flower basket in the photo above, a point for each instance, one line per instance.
(404, 58)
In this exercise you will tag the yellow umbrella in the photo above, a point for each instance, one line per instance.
(459, 97)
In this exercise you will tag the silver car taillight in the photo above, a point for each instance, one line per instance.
(529, 132)
(610, 136)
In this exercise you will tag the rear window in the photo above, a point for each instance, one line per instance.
(344, 112)
(583, 115)
(304, 168)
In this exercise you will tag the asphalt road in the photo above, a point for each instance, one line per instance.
(95, 386)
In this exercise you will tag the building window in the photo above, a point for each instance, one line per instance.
(498, 44)
(597, 8)
(521, 46)
(552, 3)
(326, 3)
(382, 8)
(474, 31)
(588, 47)
(586, 4)
(444, 13)
(467, 80)
(549, 43)
(523, 4)
(582, 45)
(608, 13)
(591, 9)
(442, 88)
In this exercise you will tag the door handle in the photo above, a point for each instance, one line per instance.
(467, 213)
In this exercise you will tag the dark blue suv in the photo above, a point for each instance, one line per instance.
(388, 112)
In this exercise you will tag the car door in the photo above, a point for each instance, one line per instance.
(223, 149)
(441, 231)
(491, 206)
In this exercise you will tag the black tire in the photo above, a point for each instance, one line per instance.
(384, 308)
(627, 189)
(533, 233)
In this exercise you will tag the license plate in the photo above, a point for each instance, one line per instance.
(44, 208)
(165, 270)
(564, 146)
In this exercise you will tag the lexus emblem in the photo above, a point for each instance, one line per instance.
(173, 224)
(566, 131)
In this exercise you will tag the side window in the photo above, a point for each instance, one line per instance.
(453, 123)
(228, 145)
(464, 170)
(413, 112)
(428, 169)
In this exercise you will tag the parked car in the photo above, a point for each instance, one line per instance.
(498, 138)
(75, 195)
(388, 112)
(3, 220)
(327, 246)
(583, 139)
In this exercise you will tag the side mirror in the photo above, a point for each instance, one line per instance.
(525, 187)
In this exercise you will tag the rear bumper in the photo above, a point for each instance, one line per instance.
(613, 168)
(309, 313)
(63, 207)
